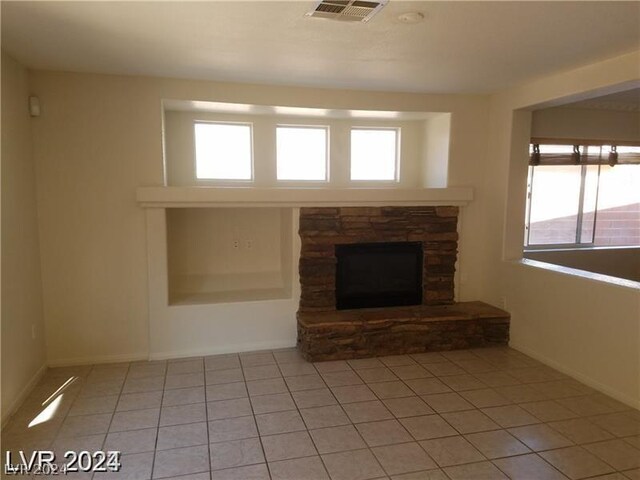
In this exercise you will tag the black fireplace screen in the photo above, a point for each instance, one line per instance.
(378, 275)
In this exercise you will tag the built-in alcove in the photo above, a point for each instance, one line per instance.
(422, 144)
(583, 188)
(223, 255)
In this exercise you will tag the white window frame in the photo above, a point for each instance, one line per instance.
(397, 163)
(528, 247)
(327, 163)
(579, 217)
(223, 181)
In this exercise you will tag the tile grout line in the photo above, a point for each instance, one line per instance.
(155, 450)
(206, 418)
(106, 435)
(255, 420)
(322, 462)
(209, 443)
(66, 415)
(75, 398)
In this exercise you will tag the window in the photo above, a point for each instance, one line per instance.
(223, 151)
(593, 202)
(301, 153)
(374, 154)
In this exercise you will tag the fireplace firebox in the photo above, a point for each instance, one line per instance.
(380, 274)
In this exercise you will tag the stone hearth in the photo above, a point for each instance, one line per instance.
(374, 332)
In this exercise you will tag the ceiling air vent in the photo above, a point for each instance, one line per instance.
(347, 10)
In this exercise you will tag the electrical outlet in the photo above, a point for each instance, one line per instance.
(248, 244)
(236, 244)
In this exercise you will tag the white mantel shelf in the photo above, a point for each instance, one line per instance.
(190, 197)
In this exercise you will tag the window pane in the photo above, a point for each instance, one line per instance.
(373, 154)
(554, 202)
(618, 219)
(557, 149)
(301, 153)
(622, 149)
(223, 151)
(589, 205)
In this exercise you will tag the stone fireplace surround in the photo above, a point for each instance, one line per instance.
(325, 333)
(321, 229)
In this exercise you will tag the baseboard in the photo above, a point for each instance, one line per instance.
(626, 399)
(74, 361)
(244, 347)
(22, 396)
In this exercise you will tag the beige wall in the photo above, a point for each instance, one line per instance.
(586, 328)
(617, 262)
(23, 356)
(435, 156)
(100, 136)
(584, 123)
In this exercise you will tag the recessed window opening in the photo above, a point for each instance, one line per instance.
(583, 196)
(374, 154)
(301, 152)
(223, 151)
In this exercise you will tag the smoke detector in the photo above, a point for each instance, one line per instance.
(347, 10)
(411, 18)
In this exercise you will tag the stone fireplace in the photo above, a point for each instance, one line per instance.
(385, 244)
(323, 229)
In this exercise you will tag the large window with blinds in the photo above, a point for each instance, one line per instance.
(583, 196)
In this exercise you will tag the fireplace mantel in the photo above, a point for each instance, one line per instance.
(176, 197)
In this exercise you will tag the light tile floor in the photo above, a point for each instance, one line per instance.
(468, 414)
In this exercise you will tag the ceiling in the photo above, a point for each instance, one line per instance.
(460, 47)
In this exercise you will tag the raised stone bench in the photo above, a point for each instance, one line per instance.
(348, 334)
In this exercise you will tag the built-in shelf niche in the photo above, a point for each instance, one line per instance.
(228, 255)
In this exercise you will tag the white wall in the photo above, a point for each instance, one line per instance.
(585, 123)
(588, 329)
(23, 357)
(435, 156)
(100, 136)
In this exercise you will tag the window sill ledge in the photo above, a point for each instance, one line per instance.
(167, 197)
(597, 277)
(574, 248)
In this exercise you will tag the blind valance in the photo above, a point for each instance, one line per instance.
(581, 154)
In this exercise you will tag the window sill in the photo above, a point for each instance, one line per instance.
(572, 248)
(597, 277)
